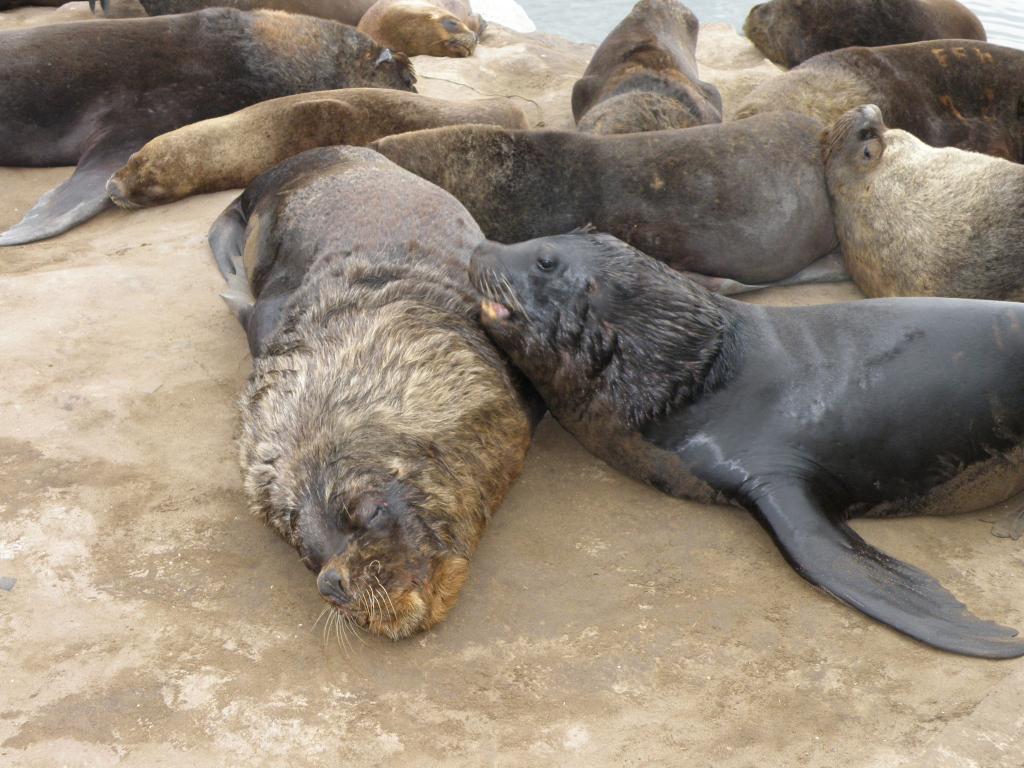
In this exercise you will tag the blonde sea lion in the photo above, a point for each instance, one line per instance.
(424, 27)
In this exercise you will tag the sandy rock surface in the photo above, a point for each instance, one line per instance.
(152, 622)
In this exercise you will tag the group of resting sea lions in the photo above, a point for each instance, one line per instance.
(420, 279)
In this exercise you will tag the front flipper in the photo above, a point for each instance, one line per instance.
(827, 269)
(78, 199)
(830, 555)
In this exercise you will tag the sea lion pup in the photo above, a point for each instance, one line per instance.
(424, 27)
(228, 152)
(346, 11)
(948, 93)
(789, 32)
(100, 100)
(914, 220)
(643, 77)
(803, 416)
(380, 427)
(743, 200)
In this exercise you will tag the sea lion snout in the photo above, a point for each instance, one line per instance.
(330, 586)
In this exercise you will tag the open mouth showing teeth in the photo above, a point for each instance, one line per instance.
(492, 310)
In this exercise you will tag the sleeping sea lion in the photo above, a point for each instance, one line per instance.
(230, 151)
(804, 416)
(948, 93)
(643, 77)
(346, 11)
(789, 32)
(424, 27)
(380, 427)
(914, 220)
(743, 200)
(100, 100)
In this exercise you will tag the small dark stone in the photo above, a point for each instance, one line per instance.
(7, 583)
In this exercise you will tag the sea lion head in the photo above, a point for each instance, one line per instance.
(778, 30)
(854, 144)
(585, 315)
(419, 29)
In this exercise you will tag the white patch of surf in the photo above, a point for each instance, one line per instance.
(508, 13)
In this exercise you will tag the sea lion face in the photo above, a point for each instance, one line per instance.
(854, 144)
(777, 29)
(457, 40)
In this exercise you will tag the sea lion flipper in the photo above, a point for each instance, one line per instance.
(227, 239)
(78, 199)
(830, 555)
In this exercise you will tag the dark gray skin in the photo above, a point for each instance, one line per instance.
(744, 200)
(346, 11)
(789, 32)
(100, 99)
(803, 416)
(643, 77)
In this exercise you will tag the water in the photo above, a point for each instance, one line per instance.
(588, 21)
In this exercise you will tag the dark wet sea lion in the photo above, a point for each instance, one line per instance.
(345, 11)
(424, 27)
(948, 93)
(230, 151)
(789, 32)
(380, 427)
(743, 200)
(643, 77)
(914, 220)
(100, 100)
(10, 5)
(803, 416)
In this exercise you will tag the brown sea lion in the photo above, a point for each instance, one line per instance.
(643, 77)
(743, 200)
(380, 428)
(228, 152)
(346, 11)
(789, 32)
(424, 27)
(914, 220)
(804, 416)
(10, 5)
(100, 100)
(959, 93)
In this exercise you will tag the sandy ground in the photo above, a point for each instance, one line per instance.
(153, 622)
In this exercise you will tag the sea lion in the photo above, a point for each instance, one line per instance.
(914, 220)
(346, 11)
(424, 27)
(959, 93)
(100, 100)
(380, 427)
(691, 198)
(803, 416)
(789, 32)
(228, 152)
(643, 77)
(10, 5)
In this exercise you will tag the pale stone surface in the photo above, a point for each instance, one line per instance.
(154, 623)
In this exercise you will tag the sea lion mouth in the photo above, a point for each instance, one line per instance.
(494, 312)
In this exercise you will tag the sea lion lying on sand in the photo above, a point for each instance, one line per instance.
(380, 427)
(804, 416)
(346, 11)
(424, 27)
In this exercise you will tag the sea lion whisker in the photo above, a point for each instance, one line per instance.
(322, 614)
(386, 596)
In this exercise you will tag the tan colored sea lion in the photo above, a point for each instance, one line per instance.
(424, 27)
(380, 428)
(643, 77)
(948, 93)
(914, 220)
(789, 32)
(346, 11)
(228, 152)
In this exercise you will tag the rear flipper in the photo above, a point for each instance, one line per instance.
(830, 555)
(1010, 525)
(78, 199)
(827, 269)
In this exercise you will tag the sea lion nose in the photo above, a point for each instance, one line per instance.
(330, 587)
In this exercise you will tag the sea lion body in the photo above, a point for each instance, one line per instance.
(643, 77)
(99, 100)
(804, 416)
(230, 151)
(788, 32)
(914, 220)
(424, 27)
(346, 11)
(10, 5)
(688, 197)
(948, 93)
(380, 427)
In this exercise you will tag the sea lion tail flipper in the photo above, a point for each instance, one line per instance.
(830, 555)
(78, 199)
(227, 239)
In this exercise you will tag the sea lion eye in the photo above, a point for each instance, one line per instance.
(451, 25)
(545, 263)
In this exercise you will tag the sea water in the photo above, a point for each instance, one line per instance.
(588, 21)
